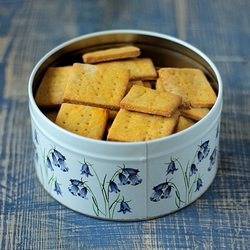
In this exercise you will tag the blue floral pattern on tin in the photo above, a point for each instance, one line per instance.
(124, 207)
(161, 191)
(56, 159)
(199, 184)
(57, 188)
(171, 167)
(110, 191)
(55, 184)
(193, 180)
(111, 187)
(85, 169)
(212, 159)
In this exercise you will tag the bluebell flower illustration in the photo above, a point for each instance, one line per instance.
(213, 156)
(78, 187)
(204, 145)
(171, 168)
(212, 159)
(74, 189)
(200, 156)
(167, 192)
(130, 171)
(161, 191)
(193, 169)
(156, 196)
(113, 187)
(57, 188)
(75, 182)
(110, 191)
(129, 176)
(85, 170)
(192, 176)
(135, 180)
(123, 179)
(49, 165)
(160, 186)
(83, 192)
(204, 151)
(124, 207)
(217, 131)
(63, 165)
(59, 155)
(54, 160)
(199, 184)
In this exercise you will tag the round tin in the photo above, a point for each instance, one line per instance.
(119, 180)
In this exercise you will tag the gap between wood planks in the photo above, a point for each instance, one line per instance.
(181, 16)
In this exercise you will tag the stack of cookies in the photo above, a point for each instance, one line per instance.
(117, 95)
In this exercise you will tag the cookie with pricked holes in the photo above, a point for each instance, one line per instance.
(83, 120)
(96, 86)
(51, 89)
(139, 68)
(190, 83)
(131, 126)
(150, 101)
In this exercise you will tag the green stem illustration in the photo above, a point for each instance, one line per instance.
(109, 206)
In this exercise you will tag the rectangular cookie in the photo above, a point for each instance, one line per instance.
(183, 123)
(83, 120)
(189, 83)
(96, 86)
(159, 85)
(133, 126)
(150, 101)
(139, 68)
(138, 82)
(194, 113)
(111, 54)
(51, 88)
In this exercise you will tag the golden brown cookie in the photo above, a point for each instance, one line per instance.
(195, 113)
(150, 101)
(83, 120)
(138, 82)
(131, 126)
(189, 83)
(96, 86)
(139, 68)
(111, 54)
(183, 123)
(51, 88)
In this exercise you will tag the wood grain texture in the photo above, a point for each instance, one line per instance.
(30, 218)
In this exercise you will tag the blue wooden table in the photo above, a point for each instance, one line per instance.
(30, 218)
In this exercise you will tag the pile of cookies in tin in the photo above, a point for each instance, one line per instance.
(117, 95)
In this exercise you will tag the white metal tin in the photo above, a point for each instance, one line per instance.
(127, 181)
